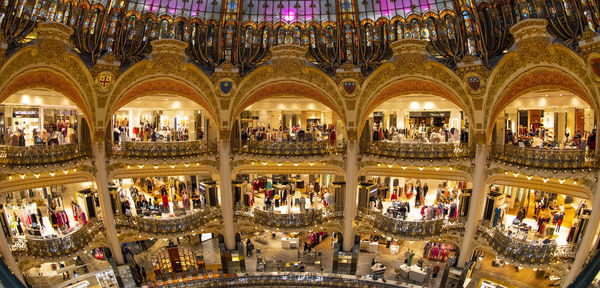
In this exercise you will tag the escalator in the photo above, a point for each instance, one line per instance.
(587, 275)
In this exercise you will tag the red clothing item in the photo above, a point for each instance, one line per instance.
(165, 199)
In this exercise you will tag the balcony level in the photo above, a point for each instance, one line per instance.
(409, 229)
(293, 221)
(420, 151)
(526, 252)
(287, 149)
(197, 222)
(26, 156)
(542, 158)
(58, 247)
(174, 151)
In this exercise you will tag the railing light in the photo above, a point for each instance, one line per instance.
(36, 175)
(156, 167)
(279, 164)
(545, 180)
(390, 165)
(437, 168)
(516, 175)
(22, 176)
(128, 166)
(172, 166)
(421, 168)
(575, 182)
(264, 163)
(75, 170)
(186, 164)
(311, 163)
(506, 173)
(296, 164)
(66, 171)
(403, 167)
(451, 168)
(529, 177)
(561, 181)
(9, 177)
(141, 166)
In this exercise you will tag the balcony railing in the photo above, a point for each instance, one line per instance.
(169, 225)
(408, 228)
(298, 220)
(42, 155)
(279, 279)
(524, 251)
(290, 148)
(419, 150)
(542, 157)
(62, 246)
(164, 149)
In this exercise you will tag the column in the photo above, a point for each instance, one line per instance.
(351, 188)
(476, 204)
(587, 242)
(9, 259)
(226, 192)
(108, 219)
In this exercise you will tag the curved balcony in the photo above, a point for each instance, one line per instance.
(288, 221)
(63, 246)
(14, 156)
(169, 225)
(290, 149)
(526, 252)
(134, 149)
(419, 150)
(279, 279)
(541, 157)
(407, 228)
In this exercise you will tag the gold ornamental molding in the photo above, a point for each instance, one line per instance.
(20, 182)
(559, 186)
(145, 170)
(423, 172)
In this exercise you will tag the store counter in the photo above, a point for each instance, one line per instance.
(287, 242)
(417, 273)
(403, 271)
(373, 247)
(394, 249)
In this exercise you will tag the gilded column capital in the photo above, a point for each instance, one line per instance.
(54, 36)
(224, 134)
(531, 37)
(288, 58)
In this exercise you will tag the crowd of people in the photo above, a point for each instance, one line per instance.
(540, 137)
(147, 132)
(295, 134)
(421, 134)
(60, 134)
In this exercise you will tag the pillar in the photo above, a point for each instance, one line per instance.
(351, 188)
(587, 242)
(9, 259)
(226, 191)
(476, 204)
(108, 219)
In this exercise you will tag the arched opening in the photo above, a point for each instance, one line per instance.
(160, 118)
(287, 119)
(538, 125)
(42, 118)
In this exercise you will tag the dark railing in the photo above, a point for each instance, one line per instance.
(169, 225)
(524, 251)
(290, 148)
(61, 246)
(298, 220)
(408, 228)
(419, 150)
(542, 157)
(42, 155)
(164, 149)
(279, 279)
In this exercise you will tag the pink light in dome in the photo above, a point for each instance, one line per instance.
(288, 15)
(172, 11)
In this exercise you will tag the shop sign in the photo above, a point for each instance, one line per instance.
(26, 113)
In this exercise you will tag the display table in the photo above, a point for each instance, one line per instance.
(394, 249)
(364, 245)
(373, 247)
(417, 274)
(403, 271)
(287, 242)
(378, 269)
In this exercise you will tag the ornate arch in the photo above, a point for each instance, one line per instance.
(63, 73)
(148, 78)
(272, 81)
(537, 64)
(534, 79)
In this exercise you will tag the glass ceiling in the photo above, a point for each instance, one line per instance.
(289, 10)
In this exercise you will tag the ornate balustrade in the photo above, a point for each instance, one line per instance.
(419, 150)
(62, 246)
(279, 279)
(164, 149)
(524, 251)
(269, 219)
(291, 148)
(42, 155)
(169, 225)
(407, 228)
(541, 157)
